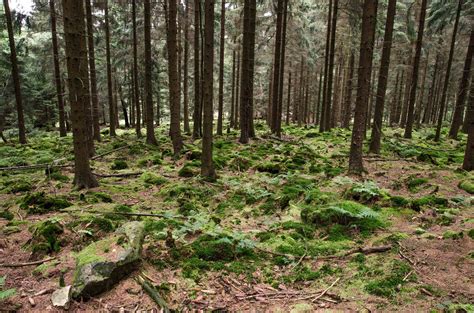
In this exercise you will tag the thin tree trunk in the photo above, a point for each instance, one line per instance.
(175, 130)
(383, 78)
(136, 100)
(232, 100)
(431, 94)
(463, 86)
(369, 19)
(197, 74)
(57, 72)
(327, 119)
(468, 163)
(322, 124)
(92, 72)
(15, 75)
(207, 166)
(221, 71)
(187, 129)
(76, 52)
(318, 103)
(448, 72)
(237, 91)
(288, 99)
(282, 69)
(109, 72)
(150, 129)
(419, 106)
(276, 68)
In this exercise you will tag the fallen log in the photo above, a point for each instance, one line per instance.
(28, 263)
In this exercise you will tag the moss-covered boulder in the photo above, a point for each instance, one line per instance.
(104, 263)
(40, 202)
(467, 186)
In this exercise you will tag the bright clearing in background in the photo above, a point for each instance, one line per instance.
(23, 6)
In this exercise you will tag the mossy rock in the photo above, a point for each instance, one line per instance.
(211, 248)
(399, 201)
(119, 165)
(450, 234)
(98, 196)
(39, 203)
(431, 200)
(194, 155)
(153, 179)
(269, 167)
(102, 264)
(6, 215)
(467, 186)
(389, 286)
(18, 186)
(413, 183)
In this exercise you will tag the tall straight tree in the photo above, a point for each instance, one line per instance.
(468, 163)
(187, 129)
(221, 71)
(110, 92)
(92, 72)
(171, 35)
(150, 129)
(348, 94)
(57, 71)
(444, 95)
(197, 73)
(463, 86)
(246, 83)
(282, 69)
(415, 72)
(207, 165)
(276, 68)
(322, 122)
(136, 90)
(369, 21)
(76, 53)
(15, 75)
(329, 123)
(383, 77)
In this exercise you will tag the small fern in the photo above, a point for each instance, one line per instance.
(4, 294)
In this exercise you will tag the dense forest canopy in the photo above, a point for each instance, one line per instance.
(311, 137)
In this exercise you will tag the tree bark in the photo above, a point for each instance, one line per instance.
(197, 73)
(288, 99)
(282, 69)
(109, 72)
(383, 78)
(322, 123)
(232, 100)
(136, 92)
(221, 71)
(150, 129)
(463, 86)
(348, 99)
(76, 55)
(276, 68)
(187, 129)
(415, 73)
(327, 120)
(15, 75)
(448, 72)
(57, 71)
(369, 19)
(92, 73)
(175, 130)
(468, 163)
(207, 166)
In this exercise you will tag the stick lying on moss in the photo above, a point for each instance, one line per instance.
(153, 293)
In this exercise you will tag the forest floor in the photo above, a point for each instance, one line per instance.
(284, 228)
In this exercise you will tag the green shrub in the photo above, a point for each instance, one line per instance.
(119, 165)
(413, 183)
(467, 186)
(269, 167)
(6, 215)
(16, 186)
(187, 171)
(39, 203)
(46, 236)
(431, 200)
(153, 179)
(387, 286)
(367, 192)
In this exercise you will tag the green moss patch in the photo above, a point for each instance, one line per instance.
(40, 203)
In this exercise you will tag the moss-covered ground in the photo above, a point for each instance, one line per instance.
(282, 223)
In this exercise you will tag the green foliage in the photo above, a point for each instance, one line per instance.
(17, 185)
(119, 165)
(431, 200)
(467, 186)
(269, 167)
(366, 192)
(387, 286)
(414, 183)
(46, 236)
(187, 171)
(6, 215)
(449, 234)
(98, 196)
(40, 203)
(5, 293)
(153, 179)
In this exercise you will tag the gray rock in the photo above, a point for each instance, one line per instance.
(62, 297)
(102, 264)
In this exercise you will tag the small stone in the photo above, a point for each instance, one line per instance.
(61, 297)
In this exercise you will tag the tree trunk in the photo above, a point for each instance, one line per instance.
(237, 90)
(207, 166)
(415, 73)
(57, 72)
(247, 77)
(92, 72)
(136, 92)
(288, 99)
(175, 130)
(419, 106)
(232, 100)
(463, 86)
(282, 69)
(76, 53)
(393, 105)
(327, 118)
(221, 71)
(348, 100)
(431, 94)
(109, 72)
(276, 68)
(197, 73)
(322, 124)
(383, 78)
(187, 129)
(150, 129)
(468, 163)
(15, 75)
(448, 72)
(318, 103)
(369, 19)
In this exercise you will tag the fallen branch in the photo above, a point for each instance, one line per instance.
(28, 263)
(326, 290)
(118, 175)
(153, 293)
(109, 152)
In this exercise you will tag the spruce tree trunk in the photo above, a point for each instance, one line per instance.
(221, 71)
(237, 90)
(463, 86)
(92, 72)
(76, 53)
(187, 129)
(318, 103)
(327, 119)
(175, 130)
(15, 75)
(207, 166)
(109, 72)
(419, 106)
(288, 99)
(348, 98)
(197, 73)
(415, 73)
(282, 69)
(383, 78)
(136, 92)
(393, 104)
(247, 77)
(468, 163)
(57, 71)
(150, 129)
(322, 123)
(448, 73)
(276, 68)
(431, 94)
(232, 100)
(369, 19)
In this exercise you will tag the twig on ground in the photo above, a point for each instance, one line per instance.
(28, 263)
(326, 290)
(153, 293)
(109, 152)
(118, 175)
